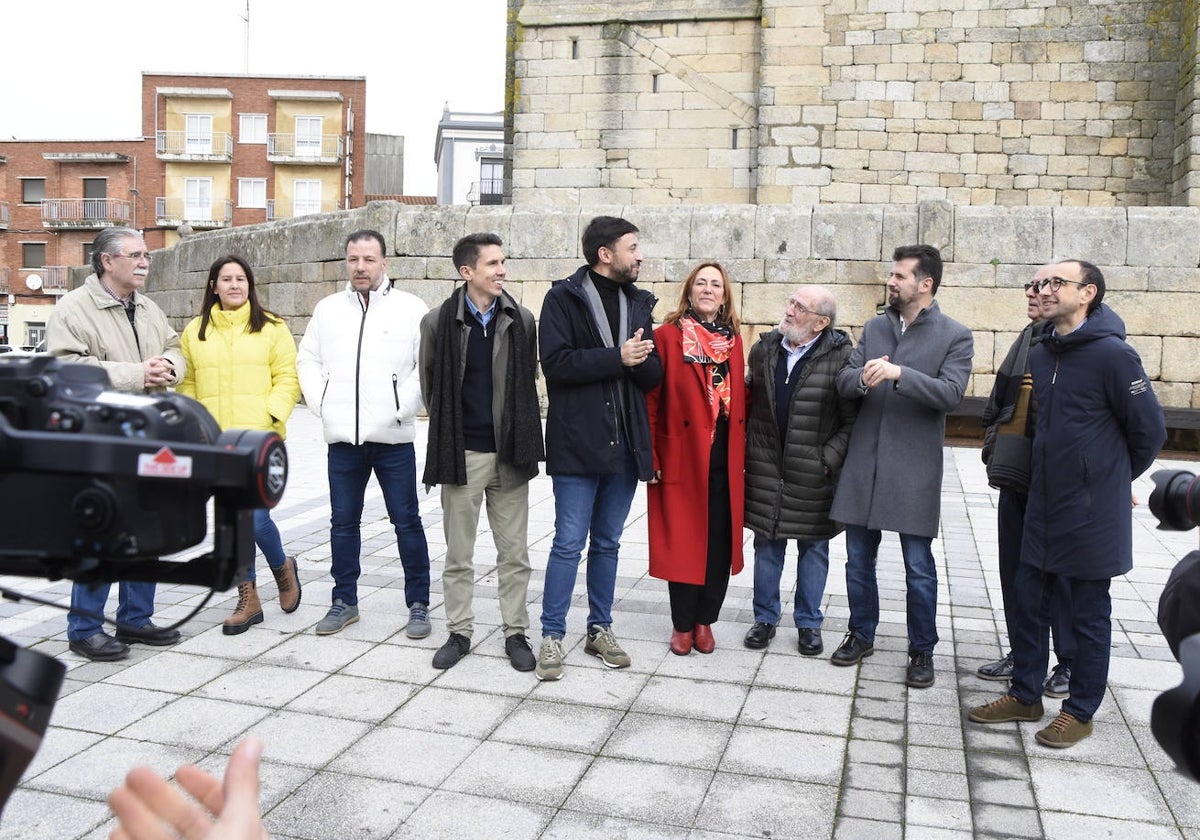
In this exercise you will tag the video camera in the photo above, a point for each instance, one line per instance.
(1175, 717)
(98, 485)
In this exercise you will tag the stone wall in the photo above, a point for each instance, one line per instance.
(1029, 102)
(1150, 257)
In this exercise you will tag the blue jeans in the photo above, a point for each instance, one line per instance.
(1091, 617)
(266, 537)
(812, 568)
(395, 468)
(583, 505)
(862, 587)
(134, 607)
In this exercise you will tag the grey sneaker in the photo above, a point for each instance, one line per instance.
(418, 621)
(602, 644)
(550, 659)
(339, 615)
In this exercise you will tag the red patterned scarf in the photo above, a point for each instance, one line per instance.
(709, 345)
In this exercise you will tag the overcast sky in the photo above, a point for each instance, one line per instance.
(416, 55)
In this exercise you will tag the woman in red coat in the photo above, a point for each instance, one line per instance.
(698, 428)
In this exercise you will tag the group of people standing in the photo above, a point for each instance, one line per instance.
(809, 436)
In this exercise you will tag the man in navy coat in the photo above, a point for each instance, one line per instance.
(1099, 426)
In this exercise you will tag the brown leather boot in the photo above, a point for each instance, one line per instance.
(249, 610)
(288, 581)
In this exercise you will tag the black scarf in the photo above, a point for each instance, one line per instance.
(520, 442)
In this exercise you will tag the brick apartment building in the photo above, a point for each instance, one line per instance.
(215, 152)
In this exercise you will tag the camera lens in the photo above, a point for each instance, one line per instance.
(1175, 500)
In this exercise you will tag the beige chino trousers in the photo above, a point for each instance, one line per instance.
(508, 515)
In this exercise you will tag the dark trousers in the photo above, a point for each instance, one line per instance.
(1011, 523)
(1091, 616)
(691, 603)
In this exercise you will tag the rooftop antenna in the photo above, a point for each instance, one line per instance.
(246, 18)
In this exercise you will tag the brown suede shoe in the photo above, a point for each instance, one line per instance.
(1064, 731)
(1005, 709)
(287, 579)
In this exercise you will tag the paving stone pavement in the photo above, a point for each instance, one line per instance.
(365, 739)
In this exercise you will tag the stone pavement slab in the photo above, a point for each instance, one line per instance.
(364, 738)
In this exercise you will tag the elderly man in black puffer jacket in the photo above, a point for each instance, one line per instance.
(796, 439)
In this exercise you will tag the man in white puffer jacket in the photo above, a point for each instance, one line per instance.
(358, 371)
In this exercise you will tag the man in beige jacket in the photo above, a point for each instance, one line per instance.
(109, 322)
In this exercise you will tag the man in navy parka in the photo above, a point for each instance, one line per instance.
(1099, 426)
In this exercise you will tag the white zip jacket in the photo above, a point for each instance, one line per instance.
(358, 365)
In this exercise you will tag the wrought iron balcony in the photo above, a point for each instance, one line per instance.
(84, 213)
(55, 279)
(486, 191)
(179, 145)
(302, 208)
(173, 212)
(3, 215)
(306, 149)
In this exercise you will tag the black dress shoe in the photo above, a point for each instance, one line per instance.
(519, 652)
(100, 648)
(455, 648)
(149, 634)
(760, 635)
(851, 651)
(810, 641)
(920, 670)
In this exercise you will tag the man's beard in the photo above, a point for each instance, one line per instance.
(624, 275)
(792, 333)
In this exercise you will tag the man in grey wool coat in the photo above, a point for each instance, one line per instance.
(909, 370)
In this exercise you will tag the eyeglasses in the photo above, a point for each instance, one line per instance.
(136, 256)
(799, 307)
(1053, 284)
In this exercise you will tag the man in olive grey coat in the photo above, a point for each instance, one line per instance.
(796, 437)
(909, 370)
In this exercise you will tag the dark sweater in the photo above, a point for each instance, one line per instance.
(478, 430)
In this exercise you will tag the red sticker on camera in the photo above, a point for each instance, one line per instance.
(164, 464)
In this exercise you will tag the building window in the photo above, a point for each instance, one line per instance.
(88, 249)
(197, 199)
(252, 128)
(306, 197)
(491, 181)
(33, 254)
(33, 190)
(198, 134)
(308, 136)
(252, 192)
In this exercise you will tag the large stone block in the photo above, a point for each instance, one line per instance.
(490, 219)
(1145, 314)
(723, 231)
(1095, 234)
(1173, 394)
(548, 233)
(900, 227)
(783, 231)
(1004, 234)
(429, 231)
(1164, 236)
(663, 231)
(1180, 359)
(857, 305)
(935, 226)
(980, 309)
(1151, 348)
(848, 232)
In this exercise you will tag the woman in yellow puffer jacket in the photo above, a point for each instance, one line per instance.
(241, 364)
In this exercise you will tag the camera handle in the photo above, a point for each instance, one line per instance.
(29, 686)
(1175, 716)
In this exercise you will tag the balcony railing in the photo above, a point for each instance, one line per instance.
(301, 148)
(486, 191)
(54, 278)
(179, 145)
(85, 212)
(303, 208)
(175, 211)
(3, 215)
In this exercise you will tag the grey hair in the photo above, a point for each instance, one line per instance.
(826, 302)
(108, 241)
